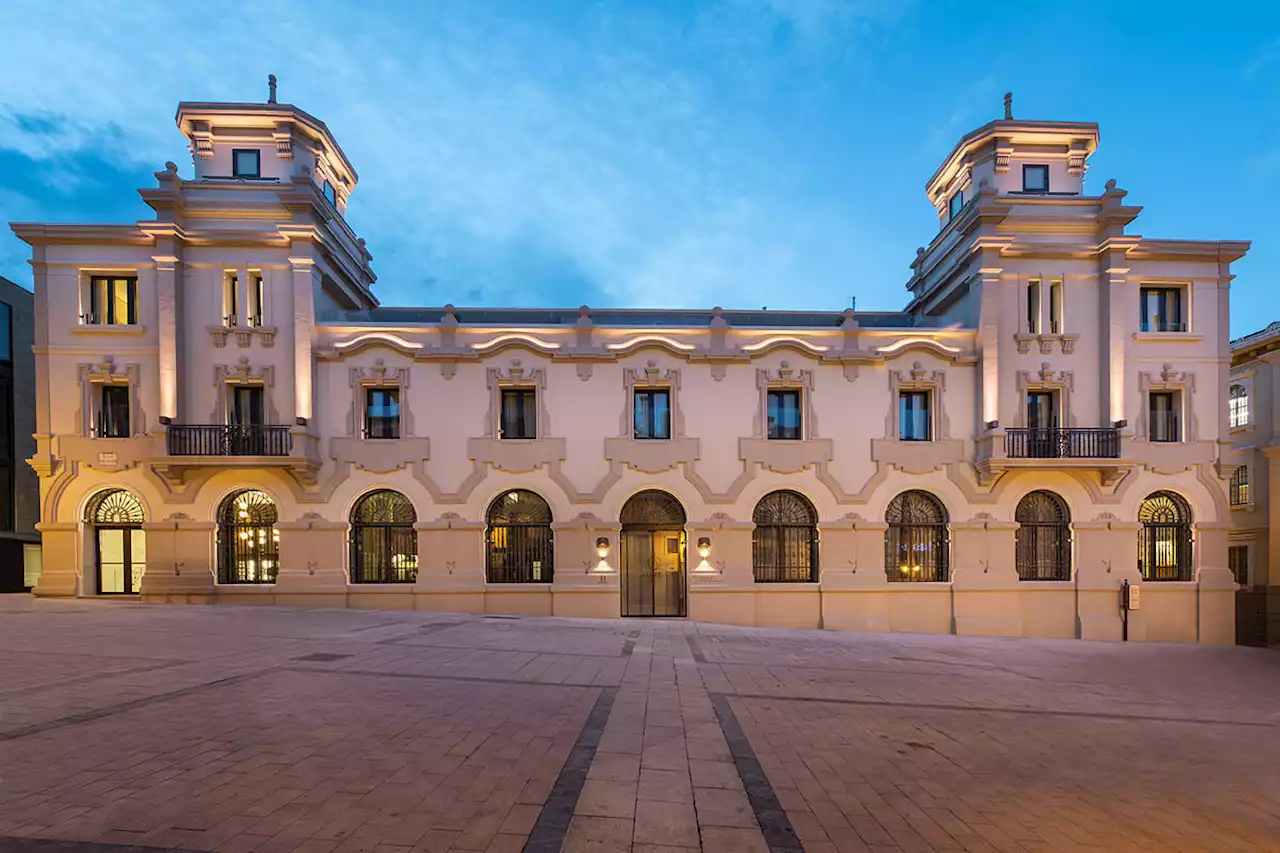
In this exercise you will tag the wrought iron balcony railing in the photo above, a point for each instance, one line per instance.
(1062, 443)
(228, 440)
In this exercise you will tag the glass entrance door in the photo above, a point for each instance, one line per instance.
(122, 559)
(653, 576)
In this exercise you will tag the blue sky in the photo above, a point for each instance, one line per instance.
(658, 154)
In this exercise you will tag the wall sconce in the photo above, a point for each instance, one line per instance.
(993, 424)
(704, 551)
(602, 549)
(1120, 424)
(602, 546)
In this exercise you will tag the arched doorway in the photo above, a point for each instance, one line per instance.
(248, 542)
(384, 545)
(1042, 542)
(120, 553)
(653, 575)
(1164, 542)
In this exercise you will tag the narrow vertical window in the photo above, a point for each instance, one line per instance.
(955, 205)
(913, 416)
(330, 193)
(652, 414)
(382, 413)
(1240, 486)
(519, 413)
(1238, 563)
(230, 299)
(784, 415)
(1164, 416)
(1238, 406)
(113, 413)
(1033, 307)
(1056, 317)
(255, 300)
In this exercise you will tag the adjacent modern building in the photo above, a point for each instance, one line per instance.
(1252, 398)
(19, 486)
(226, 414)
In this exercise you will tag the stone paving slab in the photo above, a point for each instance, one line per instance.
(128, 726)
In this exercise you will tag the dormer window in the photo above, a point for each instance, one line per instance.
(956, 205)
(1035, 179)
(246, 163)
(330, 193)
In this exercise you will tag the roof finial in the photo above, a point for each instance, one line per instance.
(1008, 105)
(271, 90)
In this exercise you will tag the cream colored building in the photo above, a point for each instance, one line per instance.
(1252, 399)
(226, 414)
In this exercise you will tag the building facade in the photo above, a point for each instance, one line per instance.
(19, 486)
(225, 413)
(1252, 398)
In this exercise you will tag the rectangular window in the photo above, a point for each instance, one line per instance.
(382, 413)
(112, 301)
(246, 163)
(1164, 416)
(1041, 414)
(1162, 310)
(255, 300)
(1238, 406)
(330, 193)
(1033, 307)
(246, 405)
(519, 413)
(1035, 179)
(652, 414)
(913, 416)
(955, 205)
(113, 412)
(1239, 491)
(1238, 563)
(784, 415)
(6, 333)
(230, 300)
(1056, 325)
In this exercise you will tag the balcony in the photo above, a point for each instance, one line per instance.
(228, 440)
(1064, 443)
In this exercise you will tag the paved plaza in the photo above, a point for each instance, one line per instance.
(271, 729)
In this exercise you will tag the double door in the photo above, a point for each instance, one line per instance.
(1044, 439)
(653, 571)
(245, 435)
(121, 560)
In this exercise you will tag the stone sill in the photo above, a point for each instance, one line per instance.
(1172, 337)
(108, 329)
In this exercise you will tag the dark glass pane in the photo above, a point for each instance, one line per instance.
(652, 416)
(246, 163)
(382, 415)
(784, 414)
(113, 417)
(1035, 179)
(913, 416)
(519, 417)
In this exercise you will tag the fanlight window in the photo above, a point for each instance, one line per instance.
(384, 545)
(1164, 542)
(519, 546)
(115, 507)
(1043, 539)
(248, 542)
(652, 509)
(916, 542)
(784, 545)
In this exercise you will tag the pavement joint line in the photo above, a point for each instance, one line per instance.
(774, 823)
(426, 676)
(420, 631)
(553, 821)
(85, 679)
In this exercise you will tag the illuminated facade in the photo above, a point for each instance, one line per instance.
(226, 414)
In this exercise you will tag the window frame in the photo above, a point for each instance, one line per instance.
(1239, 492)
(1029, 168)
(105, 315)
(774, 430)
(652, 426)
(390, 424)
(528, 412)
(1238, 414)
(112, 420)
(955, 205)
(330, 192)
(1232, 552)
(235, 162)
(927, 396)
(1173, 434)
(1180, 324)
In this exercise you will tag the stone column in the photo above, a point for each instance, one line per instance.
(722, 589)
(450, 565)
(855, 591)
(1215, 586)
(311, 563)
(59, 576)
(305, 280)
(179, 569)
(984, 580)
(168, 331)
(1106, 556)
(586, 584)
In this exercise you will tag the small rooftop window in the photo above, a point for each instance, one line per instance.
(1035, 179)
(246, 163)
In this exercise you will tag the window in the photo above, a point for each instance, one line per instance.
(519, 413)
(1035, 179)
(1238, 406)
(330, 193)
(1238, 563)
(1240, 486)
(1163, 412)
(519, 547)
(248, 542)
(1162, 309)
(784, 415)
(1043, 539)
(652, 414)
(913, 416)
(1056, 318)
(1164, 542)
(117, 517)
(246, 405)
(112, 301)
(1041, 414)
(113, 412)
(1033, 307)
(230, 300)
(915, 543)
(784, 544)
(255, 300)
(384, 545)
(246, 163)
(382, 413)
(955, 205)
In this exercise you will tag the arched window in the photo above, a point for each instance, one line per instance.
(915, 545)
(784, 545)
(1043, 538)
(519, 547)
(384, 545)
(1238, 406)
(115, 507)
(1240, 486)
(248, 543)
(1164, 543)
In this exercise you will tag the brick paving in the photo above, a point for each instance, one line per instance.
(271, 729)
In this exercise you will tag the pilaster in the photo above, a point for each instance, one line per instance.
(311, 563)
(179, 570)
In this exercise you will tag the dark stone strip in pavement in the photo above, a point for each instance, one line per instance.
(553, 821)
(695, 649)
(420, 631)
(425, 676)
(630, 645)
(773, 820)
(99, 713)
(1037, 712)
(9, 844)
